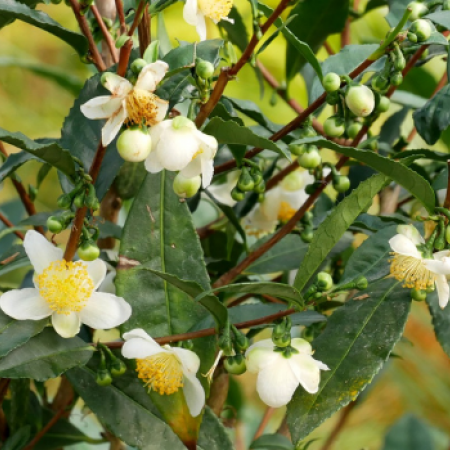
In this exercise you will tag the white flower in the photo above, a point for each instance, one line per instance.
(66, 291)
(408, 264)
(195, 11)
(165, 369)
(278, 375)
(132, 104)
(178, 145)
(222, 192)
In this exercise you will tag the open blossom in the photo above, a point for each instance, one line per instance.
(135, 105)
(222, 192)
(195, 11)
(416, 270)
(64, 290)
(165, 369)
(177, 145)
(279, 374)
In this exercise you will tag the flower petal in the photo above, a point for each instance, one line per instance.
(101, 107)
(104, 311)
(441, 267)
(151, 75)
(193, 169)
(306, 371)
(270, 206)
(113, 125)
(162, 107)
(260, 356)
(194, 394)
(152, 163)
(189, 360)
(405, 246)
(66, 325)
(24, 304)
(97, 271)
(412, 233)
(190, 12)
(138, 348)
(207, 171)
(304, 347)
(40, 251)
(201, 26)
(118, 86)
(442, 290)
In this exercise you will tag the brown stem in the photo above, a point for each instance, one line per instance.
(124, 57)
(106, 34)
(144, 31)
(339, 426)
(84, 26)
(281, 174)
(9, 224)
(137, 17)
(328, 48)
(264, 421)
(121, 14)
(345, 35)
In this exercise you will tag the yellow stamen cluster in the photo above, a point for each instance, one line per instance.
(65, 286)
(411, 271)
(215, 9)
(285, 212)
(161, 372)
(141, 107)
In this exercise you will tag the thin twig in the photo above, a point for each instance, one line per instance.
(137, 17)
(264, 421)
(144, 31)
(121, 14)
(339, 426)
(328, 48)
(9, 224)
(345, 35)
(106, 34)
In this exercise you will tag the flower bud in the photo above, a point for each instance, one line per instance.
(341, 183)
(309, 131)
(237, 195)
(334, 127)
(383, 104)
(311, 159)
(298, 149)
(396, 79)
(354, 129)
(260, 188)
(324, 281)
(333, 98)
(361, 283)
(307, 236)
(90, 200)
(54, 225)
(418, 295)
(380, 83)
(422, 29)
(186, 187)
(447, 234)
(245, 182)
(240, 340)
(418, 9)
(360, 100)
(64, 201)
(117, 367)
(331, 82)
(204, 69)
(137, 65)
(78, 201)
(235, 365)
(88, 251)
(282, 341)
(399, 62)
(412, 37)
(134, 145)
(256, 175)
(103, 377)
(225, 344)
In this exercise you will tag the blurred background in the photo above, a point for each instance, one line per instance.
(39, 78)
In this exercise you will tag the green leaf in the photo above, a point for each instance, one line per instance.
(441, 321)
(409, 433)
(434, 116)
(14, 333)
(11, 10)
(391, 129)
(231, 133)
(440, 17)
(356, 342)
(44, 356)
(422, 153)
(213, 435)
(51, 152)
(151, 53)
(18, 440)
(397, 171)
(237, 31)
(408, 99)
(13, 258)
(335, 225)
(13, 162)
(272, 442)
(396, 10)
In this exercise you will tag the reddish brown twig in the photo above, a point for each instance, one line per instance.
(345, 35)
(144, 31)
(121, 14)
(106, 34)
(137, 17)
(9, 224)
(339, 426)
(328, 48)
(264, 422)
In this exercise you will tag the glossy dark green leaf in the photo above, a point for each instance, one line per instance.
(52, 153)
(272, 442)
(434, 117)
(18, 440)
(408, 99)
(409, 433)
(397, 171)
(441, 321)
(176, 88)
(129, 179)
(44, 356)
(391, 129)
(12, 10)
(109, 229)
(236, 32)
(440, 17)
(13, 258)
(335, 225)
(423, 153)
(213, 435)
(356, 342)
(13, 162)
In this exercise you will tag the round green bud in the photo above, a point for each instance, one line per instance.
(225, 345)
(137, 65)
(422, 29)
(235, 365)
(379, 83)
(188, 345)
(418, 295)
(412, 37)
(361, 283)
(360, 100)
(331, 82)
(383, 104)
(78, 201)
(54, 225)
(103, 378)
(341, 183)
(333, 98)
(186, 187)
(324, 281)
(204, 69)
(298, 149)
(64, 201)
(245, 182)
(134, 145)
(399, 62)
(311, 188)
(447, 234)
(334, 127)
(237, 195)
(282, 341)
(310, 159)
(308, 217)
(353, 129)
(396, 79)
(307, 236)
(418, 9)
(256, 175)
(242, 342)
(260, 188)
(88, 251)
(309, 131)
(117, 367)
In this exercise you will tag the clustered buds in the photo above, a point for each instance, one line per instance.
(110, 366)
(250, 179)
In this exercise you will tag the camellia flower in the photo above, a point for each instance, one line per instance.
(222, 192)
(415, 268)
(135, 105)
(279, 374)
(165, 369)
(64, 290)
(178, 145)
(195, 11)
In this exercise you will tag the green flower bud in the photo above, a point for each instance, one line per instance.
(88, 251)
(311, 159)
(186, 187)
(103, 377)
(307, 236)
(383, 104)
(447, 234)
(117, 367)
(341, 183)
(380, 83)
(399, 62)
(331, 82)
(237, 195)
(412, 37)
(298, 149)
(137, 65)
(311, 188)
(235, 365)
(79, 200)
(360, 100)
(334, 127)
(90, 200)
(361, 283)
(282, 341)
(134, 145)
(396, 79)
(240, 340)
(260, 188)
(418, 9)
(54, 225)
(422, 29)
(279, 329)
(309, 131)
(225, 344)
(245, 182)
(64, 201)
(256, 175)
(418, 295)
(188, 344)
(324, 281)
(353, 129)
(204, 69)
(333, 98)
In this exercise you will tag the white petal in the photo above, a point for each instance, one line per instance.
(304, 347)
(442, 254)
(442, 290)
(193, 169)
(189, 360)
(190, 12)
(207, 171)
(258, 358)
(440, 267)
(107, 284)
(403, 245)
(113, 125)
(412, 233)
(104, 311)
(97, 271)
(161, 110)
(194, 394)
(138, 333)
(66, 326)
(321, 365)
(118, 86)
(101, 107)
(306, 371)
(270, 206)
(293, 199)
(209, 144)
(157, 130)
(152, 163)
(276, 383)
(201, 26)
(257, 222)
(24, 304)
(138, 348)
(151, 75)
(40, 251)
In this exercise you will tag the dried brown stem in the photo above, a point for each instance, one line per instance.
(106, 34)
(9, 224)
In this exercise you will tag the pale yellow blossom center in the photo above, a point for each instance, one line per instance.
(285, 212)
(215, 9)
(411, 271)
(65, 286)
(141, 107)
(161, 372)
